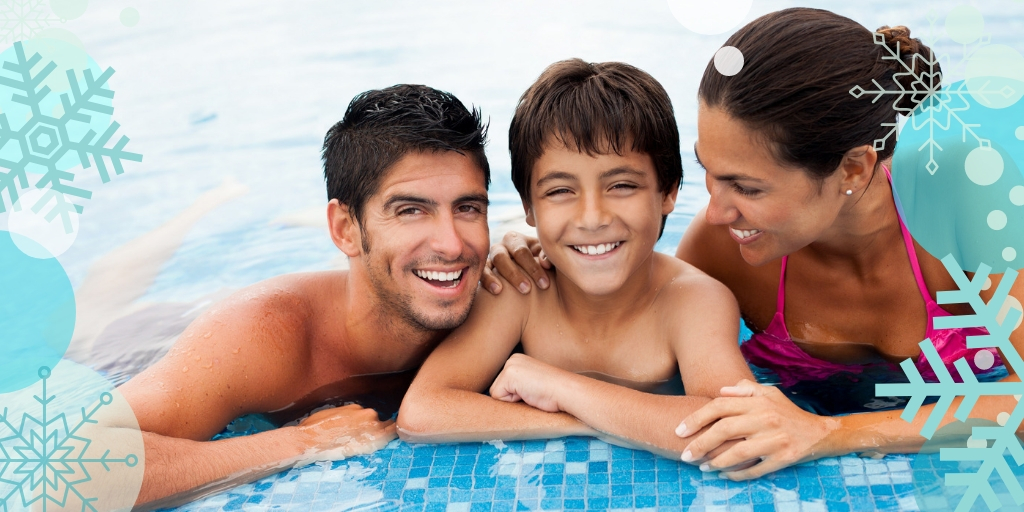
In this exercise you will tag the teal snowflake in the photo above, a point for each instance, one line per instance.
(44, 459)
(1003, 437)
(940, 108)
(55, 137)
(22, 19)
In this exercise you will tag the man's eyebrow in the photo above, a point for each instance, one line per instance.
(473, 198)
(556, 176)
(402, 198)
(724, 177)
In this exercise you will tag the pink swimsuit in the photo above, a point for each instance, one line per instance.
(774, 348)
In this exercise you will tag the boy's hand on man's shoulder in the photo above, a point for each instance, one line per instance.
(530, 381)
(520, 260)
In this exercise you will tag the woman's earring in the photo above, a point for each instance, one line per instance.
(849, 192)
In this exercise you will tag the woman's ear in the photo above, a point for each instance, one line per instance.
(857, 169)
(668, 201)
(344, 229)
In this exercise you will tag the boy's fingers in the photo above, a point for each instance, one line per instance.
(524, 258)
(507, 268)
(489, 281)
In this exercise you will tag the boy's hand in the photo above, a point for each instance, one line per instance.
(346, 431)
(529, 380)
(519, 259)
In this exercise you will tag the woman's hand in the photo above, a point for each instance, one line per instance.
(772, 428)
(515, 258)
(528, 380)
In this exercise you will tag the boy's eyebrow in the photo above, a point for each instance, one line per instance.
(402, 198)
(558, 175)
(725, 177)
(620, 170)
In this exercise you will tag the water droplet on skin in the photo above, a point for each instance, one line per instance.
(198, 358)
(235, 351)
(208, 334)
(184, 369)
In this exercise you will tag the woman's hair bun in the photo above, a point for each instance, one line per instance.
(927, 74)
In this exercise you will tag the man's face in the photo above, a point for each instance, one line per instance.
(426, 238)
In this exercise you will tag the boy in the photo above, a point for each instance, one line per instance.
(595, 158)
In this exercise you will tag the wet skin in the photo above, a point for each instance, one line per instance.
(282, 344)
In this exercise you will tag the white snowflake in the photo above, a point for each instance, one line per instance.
(22, 19)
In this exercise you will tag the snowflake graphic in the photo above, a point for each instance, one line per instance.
(940, 107)
(44, 459)
(43, 141)
(946, 389)
(22, 19)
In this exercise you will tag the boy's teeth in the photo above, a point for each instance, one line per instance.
(438, 276)
(596, 249)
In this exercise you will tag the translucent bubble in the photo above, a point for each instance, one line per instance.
(1019, 133)
(1017, 195)
(1009, 254)
(995, 76)
(984, 359)
(984, 166)
(997, 220)
(965, 24)
(37, 313)
(63, 49)
(69, 9)
(1002, 418)
(1011, 302)
(47, 219)
(728, 60)
(129, 16)
(709, 18)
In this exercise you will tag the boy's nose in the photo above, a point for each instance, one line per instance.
(593, 214)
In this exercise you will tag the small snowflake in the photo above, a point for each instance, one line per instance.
(44, 459)
(44, 139)
(22, 19)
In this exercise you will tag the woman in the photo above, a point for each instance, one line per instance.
(802, 227)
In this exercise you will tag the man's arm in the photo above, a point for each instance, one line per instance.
(242, 356)
(444, 402)
(703, 327)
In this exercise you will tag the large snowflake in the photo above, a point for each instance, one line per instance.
(44, 139)
(1003, 437)
(22, 19)
(940, 107)
(44, 458)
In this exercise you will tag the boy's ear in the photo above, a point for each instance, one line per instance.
(530, 220)
(668, 201)
(344, 229)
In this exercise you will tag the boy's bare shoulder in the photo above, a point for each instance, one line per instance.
(683, 283)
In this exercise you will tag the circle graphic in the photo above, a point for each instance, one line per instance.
(130, 16)
(1017, 195)
(1009, 254)
(1019, 132)
(995, 76)
(37, 313)
(729, 60)
(984, 166)
(984, 359)
(709, 18)
(69, 9)
(29, 219)
(996, 220)
(1011, 302)
(965, 24)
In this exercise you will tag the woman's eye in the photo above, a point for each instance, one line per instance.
(744, 190)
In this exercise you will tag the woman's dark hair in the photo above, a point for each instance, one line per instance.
(799, 67)
(381, 126)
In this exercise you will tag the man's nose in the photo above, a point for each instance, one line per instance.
(446, 240)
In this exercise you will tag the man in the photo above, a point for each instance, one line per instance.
(407, 179)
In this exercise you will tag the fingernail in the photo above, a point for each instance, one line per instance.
(543, 282)
(681, 429)
(523, 287)
(705, 467)
(686, 456)
(495, 288)
(723, 476)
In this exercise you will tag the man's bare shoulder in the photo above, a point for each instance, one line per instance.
(711, 249)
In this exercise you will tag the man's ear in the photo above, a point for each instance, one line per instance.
(530, 220)
(344, 229)
(668, 201)
(857, 169)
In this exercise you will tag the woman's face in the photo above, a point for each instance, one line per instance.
(771, 210)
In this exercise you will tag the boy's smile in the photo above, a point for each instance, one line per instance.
(597, 216)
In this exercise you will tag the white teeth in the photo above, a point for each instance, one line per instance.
(438, 276)
(596, 249)
(745, 233)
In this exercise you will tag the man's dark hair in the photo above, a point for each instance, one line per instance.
(595, 108)
(383, 125)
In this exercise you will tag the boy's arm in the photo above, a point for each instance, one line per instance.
(444, 402)
(704, 330)
(242, 356)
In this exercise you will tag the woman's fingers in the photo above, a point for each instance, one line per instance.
(723, 430)
(739, 456)
(711, 412)
(756, 471)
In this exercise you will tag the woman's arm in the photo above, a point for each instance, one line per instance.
(444, 402)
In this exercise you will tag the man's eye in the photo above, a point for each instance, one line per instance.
(468, 208)
(409, 211)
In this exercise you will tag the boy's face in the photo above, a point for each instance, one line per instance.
(597, 217)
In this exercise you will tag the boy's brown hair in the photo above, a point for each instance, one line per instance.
(596, 108)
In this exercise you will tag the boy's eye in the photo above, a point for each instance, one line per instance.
(624, 186)
(744, 190)
(557, 191)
